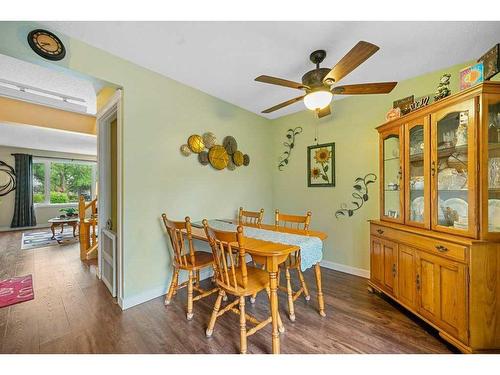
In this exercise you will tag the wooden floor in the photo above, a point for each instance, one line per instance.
(74, 313)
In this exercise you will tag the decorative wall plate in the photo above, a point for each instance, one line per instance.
(218, 157)
(185, 150)
(209, 139)
(203, 158)
(196, 143)
(7, 182)
(230, 165)
(238, 158)
(246, 160)
(230, 144)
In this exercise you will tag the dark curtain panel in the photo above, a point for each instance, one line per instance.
(24, 211)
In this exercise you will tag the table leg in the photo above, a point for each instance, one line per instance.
(74, 230)
(273, 284)
(321, 302)
(52, 228)
(62, 227)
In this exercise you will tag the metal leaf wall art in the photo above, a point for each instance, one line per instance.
(289, 144)
(10, 185)
(360, 195)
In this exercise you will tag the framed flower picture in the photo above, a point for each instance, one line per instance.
(321, 165)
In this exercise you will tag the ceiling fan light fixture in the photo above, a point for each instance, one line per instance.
(317, 100)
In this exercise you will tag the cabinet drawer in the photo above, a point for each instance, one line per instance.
(435, 246)
(443, 248)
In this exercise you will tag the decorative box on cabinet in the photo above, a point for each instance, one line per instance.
(436, 248)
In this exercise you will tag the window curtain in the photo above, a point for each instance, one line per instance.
(24, 211)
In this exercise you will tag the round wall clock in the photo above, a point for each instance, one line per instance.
(196, 143)
(230, 144)
(218, 157)
(46, 44)
(238, 158)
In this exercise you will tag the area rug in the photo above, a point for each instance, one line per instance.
(16, 290)
(32, 240)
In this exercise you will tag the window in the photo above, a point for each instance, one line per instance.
(63, 181)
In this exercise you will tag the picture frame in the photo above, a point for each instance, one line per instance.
(321, 165)
(491, 62)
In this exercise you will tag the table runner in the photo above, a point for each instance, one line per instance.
(311, 248)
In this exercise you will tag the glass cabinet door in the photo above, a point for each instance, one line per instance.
(493, 163)
(453, 169)
(391, 181)
(417, 184)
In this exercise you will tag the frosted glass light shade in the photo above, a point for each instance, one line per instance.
(318, 99)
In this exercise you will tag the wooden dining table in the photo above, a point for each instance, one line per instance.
(272, 254)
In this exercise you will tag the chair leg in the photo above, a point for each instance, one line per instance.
(173, 286)
(215, 311)
(289, 290)
(281, 327)
(243, 327)
(252, 298)
(303, 283)
(189, 314)
(197, 277)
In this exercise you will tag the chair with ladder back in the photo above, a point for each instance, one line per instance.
(234, 277)
(293, 261)
(250, 217)
(186, 258)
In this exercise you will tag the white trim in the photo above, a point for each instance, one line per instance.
(346, 269)
(148, 295)
(38, 226)
(113, 108)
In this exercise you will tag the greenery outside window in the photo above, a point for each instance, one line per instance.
(57, 181)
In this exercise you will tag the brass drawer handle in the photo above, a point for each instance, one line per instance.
(441, 249)
(380, 231)
(418, 281)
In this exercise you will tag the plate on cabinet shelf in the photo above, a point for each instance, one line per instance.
(417, 209)
(458, 205)
(494, 215)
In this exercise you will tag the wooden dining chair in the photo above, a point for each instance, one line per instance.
(186, 258)
(293, 261)
(250, 217)
(234, 277)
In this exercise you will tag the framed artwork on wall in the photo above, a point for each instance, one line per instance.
(321, 165)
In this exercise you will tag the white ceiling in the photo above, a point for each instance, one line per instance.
(25, 73)
(46, 139)
(223, 58)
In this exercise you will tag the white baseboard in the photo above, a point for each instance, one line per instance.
(346, 269)
(9, 229)
(148, 295)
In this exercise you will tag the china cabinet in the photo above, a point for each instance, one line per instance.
(436, 247)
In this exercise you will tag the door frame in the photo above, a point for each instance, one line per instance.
(112, 110)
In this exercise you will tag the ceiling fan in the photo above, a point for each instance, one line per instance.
(319, 84)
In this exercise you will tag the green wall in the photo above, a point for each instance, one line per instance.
(159, 115)
(352, 127)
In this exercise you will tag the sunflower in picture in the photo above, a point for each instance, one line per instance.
(315, 173)
(322, 155)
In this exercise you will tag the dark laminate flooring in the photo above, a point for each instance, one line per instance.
(74, 313)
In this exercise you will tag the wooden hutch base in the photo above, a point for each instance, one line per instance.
(436, 248)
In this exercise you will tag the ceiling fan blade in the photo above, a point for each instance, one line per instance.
(284, 104)
(281, 82)
(354, 58)
(324, 112)
(365, 88)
